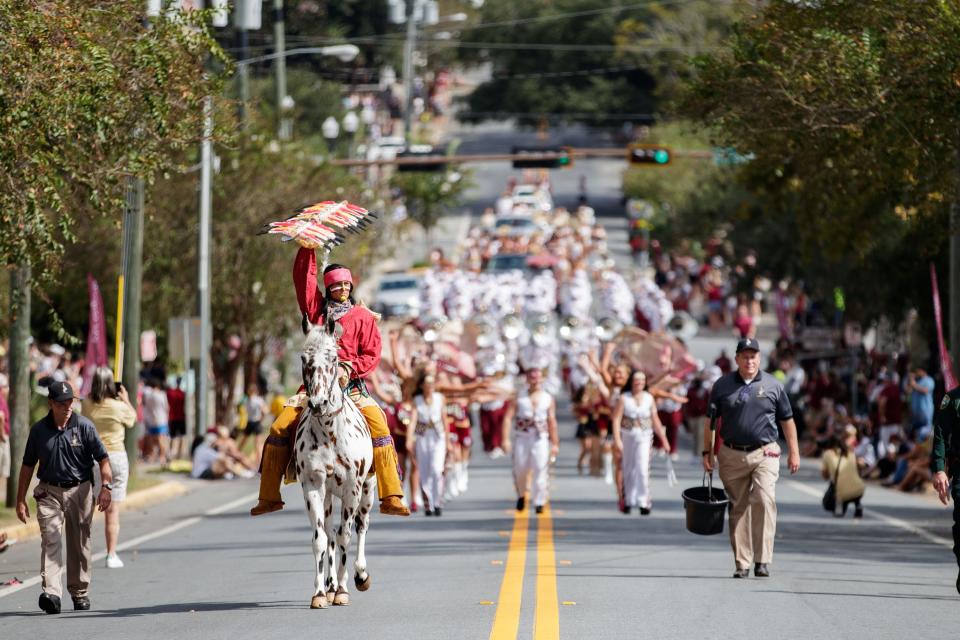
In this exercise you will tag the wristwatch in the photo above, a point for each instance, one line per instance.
(704, 453)
(107, 485)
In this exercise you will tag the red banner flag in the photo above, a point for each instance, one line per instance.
(96, 337)
(946, 364)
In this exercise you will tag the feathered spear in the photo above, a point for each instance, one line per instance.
(322, 225)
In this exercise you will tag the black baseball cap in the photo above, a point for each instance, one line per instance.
(748, 344)
(60, 391)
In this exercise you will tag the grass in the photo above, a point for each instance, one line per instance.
(8, 516)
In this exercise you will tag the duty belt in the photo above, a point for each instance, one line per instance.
(65, 485)
(745, 447)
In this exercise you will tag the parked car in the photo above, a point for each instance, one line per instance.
(398, 295)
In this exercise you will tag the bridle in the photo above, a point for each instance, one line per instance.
(333, 383)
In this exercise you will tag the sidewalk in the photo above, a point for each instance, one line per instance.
(162, 492)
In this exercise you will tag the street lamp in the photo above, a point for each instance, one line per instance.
(330, 129)
(343, 52)
(286, 122)
(351, 122)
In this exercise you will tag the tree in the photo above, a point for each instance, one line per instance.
(548, 64)
(428, 196)
(88, 96)
(252, 294)
(850, 109)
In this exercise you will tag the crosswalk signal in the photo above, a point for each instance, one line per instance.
(650, 154)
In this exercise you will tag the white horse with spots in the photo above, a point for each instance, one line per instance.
(334, 458)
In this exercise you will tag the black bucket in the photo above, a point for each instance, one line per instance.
(706, 508)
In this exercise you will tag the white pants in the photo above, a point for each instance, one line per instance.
(531, 454)
(431, 449)
(886, 432)
(636, 467)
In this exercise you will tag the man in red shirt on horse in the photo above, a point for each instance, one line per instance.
(359, 354)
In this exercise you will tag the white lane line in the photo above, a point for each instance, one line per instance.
(135, 542)
(890, 520)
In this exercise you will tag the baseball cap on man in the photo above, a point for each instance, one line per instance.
(60, 391)
(748, 344)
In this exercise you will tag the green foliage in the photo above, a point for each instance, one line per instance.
(429, 195)
(527, 81)
(851, 109)
(88, 95)
(666, 42)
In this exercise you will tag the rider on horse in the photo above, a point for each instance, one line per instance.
(359, 354)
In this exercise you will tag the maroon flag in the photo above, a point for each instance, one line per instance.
(946, 364)
(96, 337)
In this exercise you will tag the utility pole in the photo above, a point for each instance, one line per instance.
(954, 284)
(132, 266)
(283, 123)
(243, 75)
(203, 268)
(408, 47)
(19, 373)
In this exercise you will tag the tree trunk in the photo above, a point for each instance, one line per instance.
(19, 373)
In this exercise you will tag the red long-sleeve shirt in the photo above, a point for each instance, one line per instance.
(360, 343)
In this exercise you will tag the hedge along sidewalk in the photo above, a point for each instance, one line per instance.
(137, 500)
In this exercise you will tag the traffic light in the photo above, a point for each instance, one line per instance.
(542, 157)
(421, 151)
(649, 154)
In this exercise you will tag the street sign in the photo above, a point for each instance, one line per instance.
(728, 157)
(183, 337)
(657, 155)
(542, 157)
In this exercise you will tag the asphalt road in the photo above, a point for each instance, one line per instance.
(199, 566)
(603, 574)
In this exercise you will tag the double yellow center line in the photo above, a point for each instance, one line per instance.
(506, 622)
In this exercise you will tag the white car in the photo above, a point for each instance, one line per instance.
(534, 198)
(398, 295)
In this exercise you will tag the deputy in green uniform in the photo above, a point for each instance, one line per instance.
(946, 458)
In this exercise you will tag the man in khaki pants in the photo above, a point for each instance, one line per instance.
(66, 446)
(749, 404)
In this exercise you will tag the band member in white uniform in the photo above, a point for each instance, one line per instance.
(536, 440)
(427, 436)
(634, 422)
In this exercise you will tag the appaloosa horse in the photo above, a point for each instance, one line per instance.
(334, 458)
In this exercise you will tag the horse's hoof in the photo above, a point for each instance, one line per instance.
(362, 585)
(342, 599)
(319, 602)
(330, 596)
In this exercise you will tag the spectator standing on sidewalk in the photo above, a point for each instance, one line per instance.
(921, 387)
(749, 404)
(66, 446)
(109, 408)
(4, 443)
(156, 416)
(946, 460)
(176, 402)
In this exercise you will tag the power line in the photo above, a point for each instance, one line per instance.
(563, 74)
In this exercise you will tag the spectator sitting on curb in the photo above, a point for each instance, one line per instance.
(217, 457)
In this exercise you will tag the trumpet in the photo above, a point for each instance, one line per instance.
(512, 327)
(568, 326)
(683, 325)
(607, 329)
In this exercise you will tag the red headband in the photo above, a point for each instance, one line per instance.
(337, 275)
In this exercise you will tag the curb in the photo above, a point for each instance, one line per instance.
(160, 493)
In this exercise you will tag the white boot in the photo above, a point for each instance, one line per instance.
(464, 480)
(608, 468)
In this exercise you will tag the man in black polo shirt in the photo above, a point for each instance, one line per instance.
(66, 445)
(749, 404)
